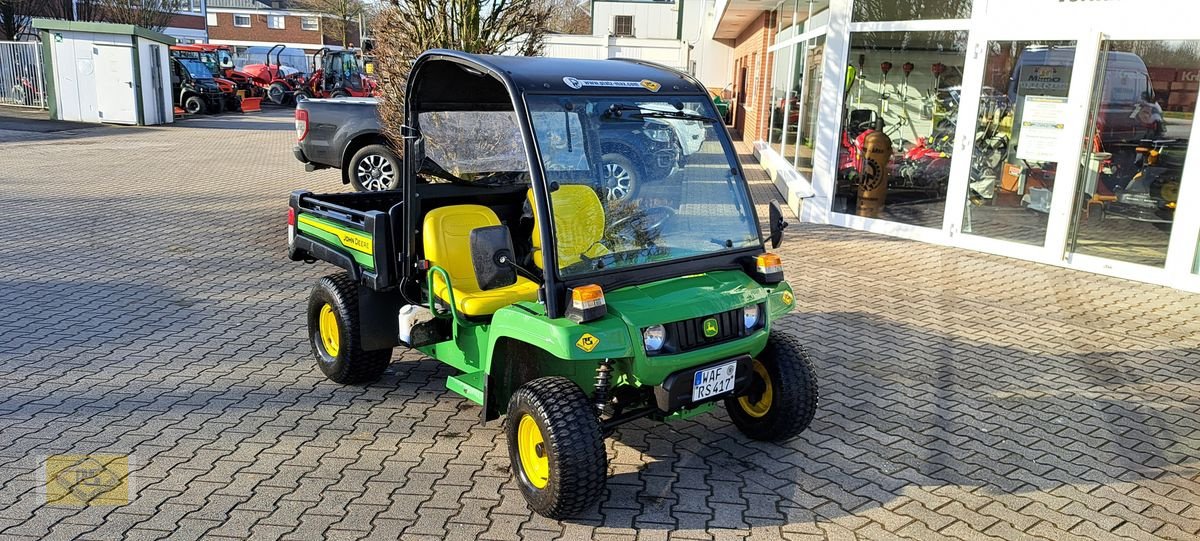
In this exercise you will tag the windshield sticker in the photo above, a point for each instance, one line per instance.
(580, 83)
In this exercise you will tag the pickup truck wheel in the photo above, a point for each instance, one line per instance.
(556, 447)
(374, 168)
(783, 392)
(621, 177)
(194, 105)
(333, 328)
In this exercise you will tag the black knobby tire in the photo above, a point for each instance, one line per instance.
(339, 94)
(574, 446)
(194, 105)
(351, 364)
(794, 392)
(278, 93)
(301, 95)
(379, 155)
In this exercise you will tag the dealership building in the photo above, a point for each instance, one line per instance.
(1054, 131)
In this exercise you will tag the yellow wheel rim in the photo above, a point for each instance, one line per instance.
(760, 407)
(531, 447)
(1170, 191)
(327, 325)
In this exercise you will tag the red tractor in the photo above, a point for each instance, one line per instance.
(338, 73)
(281, 83)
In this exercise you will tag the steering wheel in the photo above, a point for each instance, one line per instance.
(649, 220)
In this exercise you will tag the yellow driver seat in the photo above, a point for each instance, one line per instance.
(578, 222)
(447, 238)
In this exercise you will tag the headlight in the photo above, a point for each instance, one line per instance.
(654, 337)
(750, 316)
(662, 135)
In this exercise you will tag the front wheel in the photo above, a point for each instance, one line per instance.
(556, 447)
(277, 93)
(621, 177)
(783, 392)
(334, 333)
(194, 105)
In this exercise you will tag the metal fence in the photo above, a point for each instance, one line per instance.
(21, 81)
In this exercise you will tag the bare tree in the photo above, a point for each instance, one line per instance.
(339, 17)
(152, 14)
(14, 18)
(409, 27)
(569, 17)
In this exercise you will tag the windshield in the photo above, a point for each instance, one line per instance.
(639, 181)
(210, 61)
(197, 69)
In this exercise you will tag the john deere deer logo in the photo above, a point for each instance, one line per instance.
(710, 327)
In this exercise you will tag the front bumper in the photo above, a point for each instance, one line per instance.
(675, 392)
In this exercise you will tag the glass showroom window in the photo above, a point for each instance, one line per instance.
(904, 94)
(779, 97)
(809, 62)
(1142, 109)
(910, 10)
(1014, 161)
(785, 19)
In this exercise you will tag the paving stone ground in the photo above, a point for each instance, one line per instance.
(147, 309)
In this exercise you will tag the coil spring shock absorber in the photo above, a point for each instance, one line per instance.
(603, 377)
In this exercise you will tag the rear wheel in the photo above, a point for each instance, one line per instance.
(556, 447)
(339, 94)
(302, 95)
(333, 330)
(194, 105)
(374, 168)
(783, 392)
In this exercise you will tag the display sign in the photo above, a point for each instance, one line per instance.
(1044, 80)
(1042, 128)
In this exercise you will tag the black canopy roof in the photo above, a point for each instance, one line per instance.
(448, 77)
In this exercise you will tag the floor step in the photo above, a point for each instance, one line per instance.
(470, 385)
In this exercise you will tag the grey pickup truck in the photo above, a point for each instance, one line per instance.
(344, 133)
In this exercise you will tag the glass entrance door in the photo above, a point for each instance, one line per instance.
(1021, 137)
(1140, 120)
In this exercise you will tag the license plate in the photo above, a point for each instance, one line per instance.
(713, 381)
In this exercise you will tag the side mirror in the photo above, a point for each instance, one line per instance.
(777, 223)
(492, 256)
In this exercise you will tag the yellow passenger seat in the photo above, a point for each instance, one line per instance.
(447, 237)
(578, 222)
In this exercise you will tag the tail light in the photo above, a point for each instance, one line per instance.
(291, 226)
(301, 124)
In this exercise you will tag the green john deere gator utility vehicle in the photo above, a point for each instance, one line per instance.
(564, 310)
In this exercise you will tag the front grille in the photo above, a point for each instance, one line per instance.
(688, 334)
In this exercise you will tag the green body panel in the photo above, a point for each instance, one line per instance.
(685, 414)
(617, 336)
(333, 240)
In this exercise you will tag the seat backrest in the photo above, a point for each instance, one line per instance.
(446, 233)
(578, 222)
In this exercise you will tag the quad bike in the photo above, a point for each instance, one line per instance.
(562, 311)
(1153, 192)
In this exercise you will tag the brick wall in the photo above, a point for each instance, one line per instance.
(750, 52)
(259, 31)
